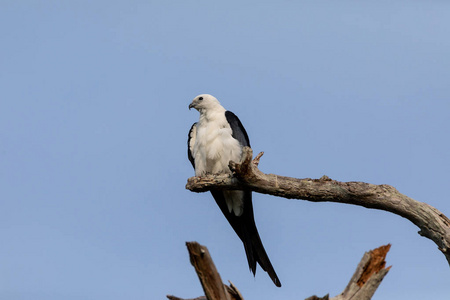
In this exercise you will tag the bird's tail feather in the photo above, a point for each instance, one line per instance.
(245, 228)
(256, 253)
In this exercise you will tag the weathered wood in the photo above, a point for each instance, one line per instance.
(326, 297)
(235, 294)
(209, 277)
(367, 277)
(433, 224)
(207, 273)
(170, 297)
(363, 284)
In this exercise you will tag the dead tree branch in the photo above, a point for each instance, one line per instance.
(433, 224)
(170, 297)
(363, 284)
(209, 277)
(368, 275)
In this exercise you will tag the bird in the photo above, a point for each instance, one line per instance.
(216, 139)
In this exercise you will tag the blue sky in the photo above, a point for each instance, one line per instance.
(93, 125)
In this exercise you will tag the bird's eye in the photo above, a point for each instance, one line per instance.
(201, 98)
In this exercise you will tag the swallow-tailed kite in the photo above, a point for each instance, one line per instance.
(214, 140)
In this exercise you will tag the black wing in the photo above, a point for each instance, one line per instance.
(190, 143)
(238, 131)
(244, 225)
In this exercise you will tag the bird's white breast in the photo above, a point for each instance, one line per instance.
(214, 146)
(213, 149)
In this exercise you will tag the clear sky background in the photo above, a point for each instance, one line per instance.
(93, 125)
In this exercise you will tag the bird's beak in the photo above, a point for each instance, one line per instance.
(191, 105)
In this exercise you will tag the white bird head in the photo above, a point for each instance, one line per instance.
(204, 102)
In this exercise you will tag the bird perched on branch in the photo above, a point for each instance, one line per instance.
(213, 141)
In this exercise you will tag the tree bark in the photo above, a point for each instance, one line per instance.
(209, 277)
(367, 277)
(363, 284)
(433, 224)
(207, 273)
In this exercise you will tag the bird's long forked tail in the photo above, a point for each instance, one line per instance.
(254, 249)
(245, 228)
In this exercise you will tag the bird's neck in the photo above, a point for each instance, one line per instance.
(211, 115)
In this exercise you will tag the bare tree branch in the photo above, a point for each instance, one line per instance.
(363, 284)
(326, 297)
(367, 277)
(433, 224)
(170, 297)
(207, 273)
(209, 277)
